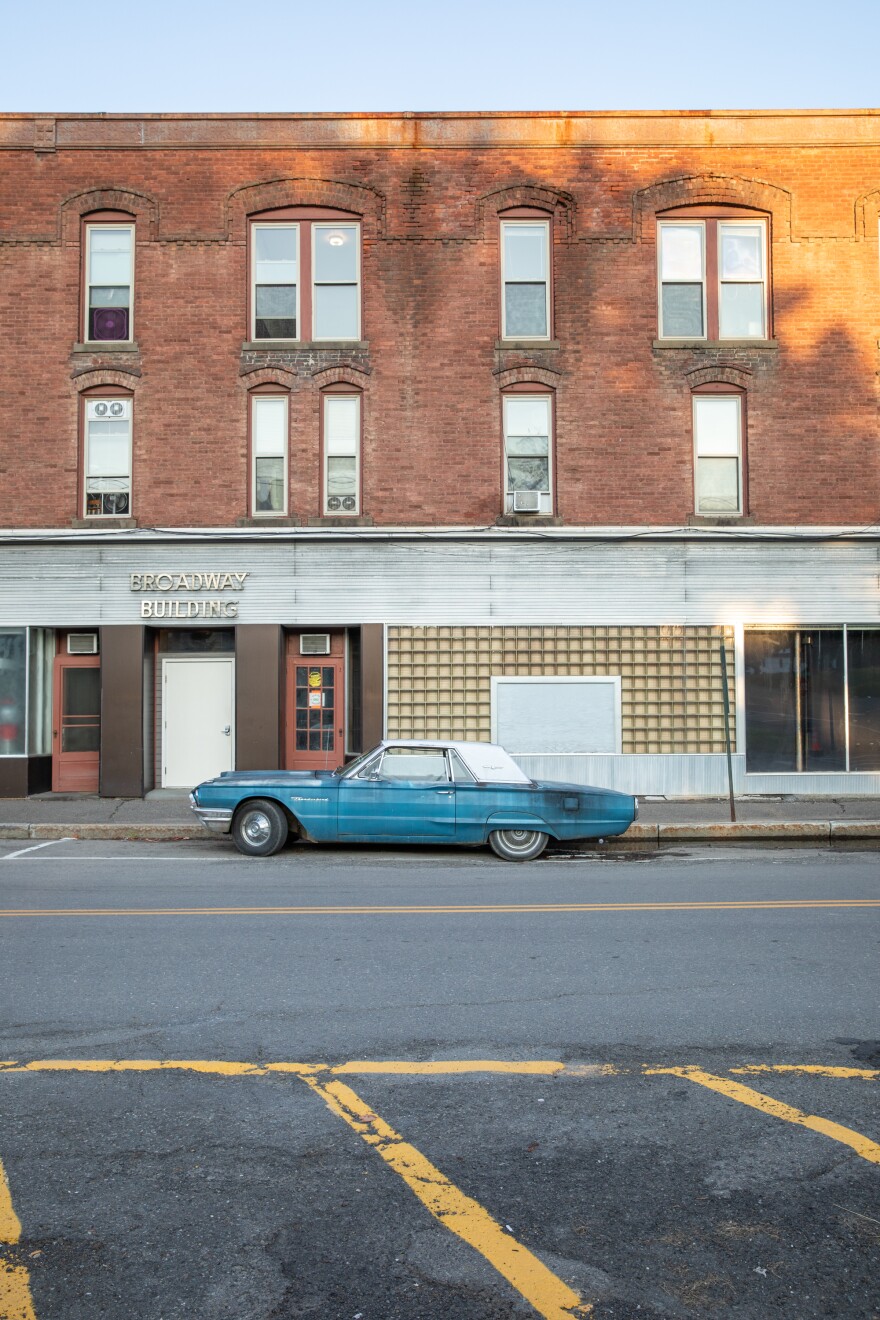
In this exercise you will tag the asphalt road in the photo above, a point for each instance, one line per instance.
(432, 1084)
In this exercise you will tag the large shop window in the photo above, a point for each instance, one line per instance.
(109, 279)
(525, 279)
(812, 700)
(528, 430)
(108, 458)
(712, 278)
(305, 279)
(26, 656)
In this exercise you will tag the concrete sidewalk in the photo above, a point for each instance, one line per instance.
(165, 814)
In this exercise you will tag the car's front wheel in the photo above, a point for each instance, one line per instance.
(260, 828)
(518, 845)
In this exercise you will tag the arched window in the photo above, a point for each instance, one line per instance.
(106, 424)
(719, 413)
(305, 275)
(526, 267)
(108, 277)
(712, 272)
(269, 447)
(341, 429)
(527, 420)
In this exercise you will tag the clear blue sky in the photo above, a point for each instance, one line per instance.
(325, 55)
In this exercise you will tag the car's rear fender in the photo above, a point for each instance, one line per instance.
(518, 820)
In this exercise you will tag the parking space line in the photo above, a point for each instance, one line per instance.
(15, 1281)
(462, 1215)
(863, 1146)
(50, 843)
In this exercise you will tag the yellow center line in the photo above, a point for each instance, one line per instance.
(462, 1215)
(863, 1146)
(451, 909)
(810, 1069)
(15, 1282)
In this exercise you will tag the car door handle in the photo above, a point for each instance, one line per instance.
(445, 792)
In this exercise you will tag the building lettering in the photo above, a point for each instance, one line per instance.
(187, 581)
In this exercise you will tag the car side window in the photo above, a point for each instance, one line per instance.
(426, 765)
(460, 772)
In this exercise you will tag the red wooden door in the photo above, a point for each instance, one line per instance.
(76, 731)
(315, 713)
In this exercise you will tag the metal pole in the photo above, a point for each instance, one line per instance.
(726, 696)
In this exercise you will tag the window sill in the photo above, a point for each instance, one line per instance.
(528, 520)
(527, 343)
(715, 343)
(344, 520)
(304, 345)
(269, 520)
(94, 346)
(104, 524)
(720, 520)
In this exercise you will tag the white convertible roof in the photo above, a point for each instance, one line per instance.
(487, 761)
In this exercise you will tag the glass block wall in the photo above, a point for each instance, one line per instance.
(439, 679)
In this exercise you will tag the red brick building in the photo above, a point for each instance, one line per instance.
(315, 427)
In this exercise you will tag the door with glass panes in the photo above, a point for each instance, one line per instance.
(315, 713)
(76, 724)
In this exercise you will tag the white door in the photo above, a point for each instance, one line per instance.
(197, 720)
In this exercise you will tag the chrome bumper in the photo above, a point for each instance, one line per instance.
(218, 819)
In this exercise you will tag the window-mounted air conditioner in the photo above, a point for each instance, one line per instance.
(82, 643)
(109, 410)
(314, 644)
(526, 501)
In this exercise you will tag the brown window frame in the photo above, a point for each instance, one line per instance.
(262, 391)
(525, 214)
(724, 390)
(104, 220)
(306, 218)
(94, 395)
(710, 217)
(531, 389)
(340, 389)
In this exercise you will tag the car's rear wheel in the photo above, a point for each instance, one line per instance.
(518, 845)
(260, 828)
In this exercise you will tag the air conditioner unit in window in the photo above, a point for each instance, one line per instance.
(106, 410)
(82, 643)
(526, 501)
(314, 644)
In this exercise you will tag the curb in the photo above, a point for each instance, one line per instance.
(640, 834)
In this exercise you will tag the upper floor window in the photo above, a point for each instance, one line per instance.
(712, 278)
(342, 441)
(305, 277)
(109, 277)
(718, 454)
(269, 455)
(527, 453)
(107, 458)
(525, 279)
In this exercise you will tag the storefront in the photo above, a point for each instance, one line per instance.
(143, 660)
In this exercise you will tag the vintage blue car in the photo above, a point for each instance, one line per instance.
(407, 791)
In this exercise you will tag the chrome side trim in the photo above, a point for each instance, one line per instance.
(218, 819)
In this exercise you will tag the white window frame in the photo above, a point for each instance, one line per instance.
(677, 224)
(90, 228)
(256, 400)
(760, 223)
(317, 225)
(546, 497)
(719, 513)
(534, 223)
(326, 455)
(89, 403)
(275, 224)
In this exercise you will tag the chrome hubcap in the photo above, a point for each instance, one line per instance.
(256, 827)
(519, 839)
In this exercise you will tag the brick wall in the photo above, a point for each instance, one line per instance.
(430, 371)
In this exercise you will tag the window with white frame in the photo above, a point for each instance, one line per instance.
(712, 278)
(108, 458)
(527, 453)
(109, 282)
(269, 455)
(305, 280)
(275, 301)
(342, 434)
(718, 446)
(525, 279)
